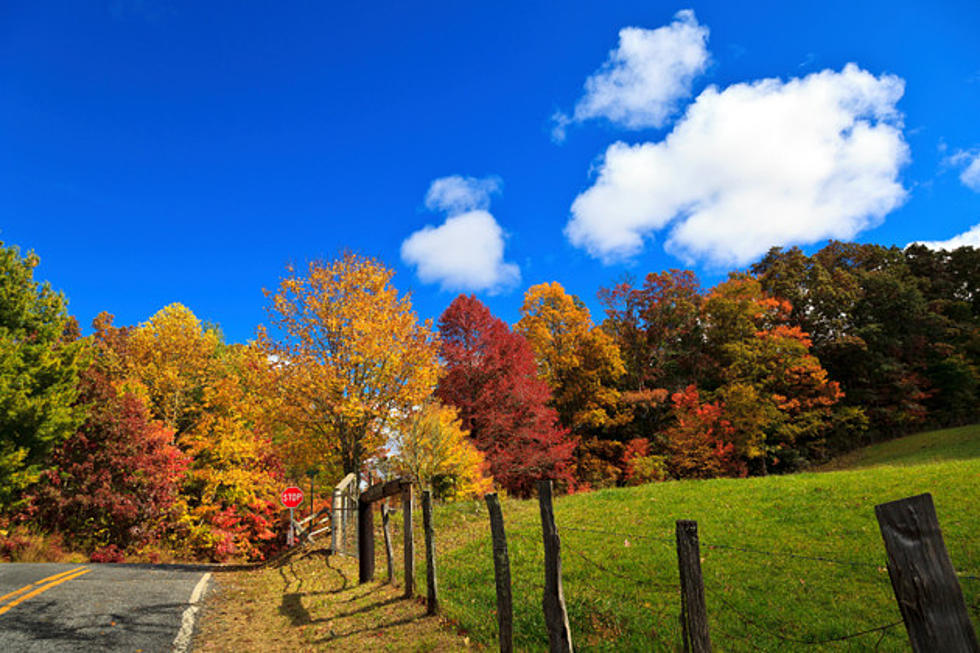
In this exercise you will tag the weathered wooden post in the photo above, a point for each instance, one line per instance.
(336, 524)
(386, 529)
(923, 579)
(365, 540)
(694, 612)
(555, 615)
(432, 594)
(409, 540)
(501, 575)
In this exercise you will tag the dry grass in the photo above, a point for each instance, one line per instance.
(313, 603)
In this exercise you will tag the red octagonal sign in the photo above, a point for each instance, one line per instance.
(291, 497)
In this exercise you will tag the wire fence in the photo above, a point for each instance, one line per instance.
(755, 627)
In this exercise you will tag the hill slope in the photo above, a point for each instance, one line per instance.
(769, 547)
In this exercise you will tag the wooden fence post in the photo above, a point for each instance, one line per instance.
(385, 513)
(365, 541)
(555, 615)
(432, 598)
(409, 541)
(336, 525)
(694, 613)
(925, 584)
(501, 575)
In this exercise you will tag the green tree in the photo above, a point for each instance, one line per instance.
(39, 361)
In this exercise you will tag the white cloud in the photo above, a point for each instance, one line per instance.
(457, 194)
(643, 79)
(754, 165)
(969, 238)
(465, 252)
(970, 160)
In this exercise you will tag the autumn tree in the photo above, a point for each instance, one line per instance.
(491, 379)
(777, 396)
(700, 441)
(115, 483)
(433, 449)
(222, 404)
(880, 329)
(580, 362)
(39, 361)
(171, 355)
(351, 355)
(658, 328)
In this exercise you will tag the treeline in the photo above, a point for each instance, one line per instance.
(162, 439)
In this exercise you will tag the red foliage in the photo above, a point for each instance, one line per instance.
(491, 378)
(700, 443)
(112, 484)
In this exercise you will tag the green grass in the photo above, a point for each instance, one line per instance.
(620, 565)
(961, 443)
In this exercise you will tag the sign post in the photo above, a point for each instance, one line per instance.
(291, 498)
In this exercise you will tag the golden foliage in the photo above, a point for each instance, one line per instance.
(432, 445)
(351, 354)
(580, 361)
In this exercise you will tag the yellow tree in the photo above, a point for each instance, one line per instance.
(580, 361)
(351, 354)
(433, 450)
(171, 355)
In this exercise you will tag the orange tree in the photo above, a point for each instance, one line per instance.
(351, 355)
(580, 361)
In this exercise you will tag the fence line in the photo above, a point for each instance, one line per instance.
(742, 549)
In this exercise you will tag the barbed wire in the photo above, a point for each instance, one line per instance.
(668, 540)
(817, 558)
(632, 579)
(751, 622)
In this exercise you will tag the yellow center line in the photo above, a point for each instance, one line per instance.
(43, 588)
(40, 582)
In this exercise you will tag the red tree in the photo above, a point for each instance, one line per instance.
(491, 378)
(113, 483)
(699, 444)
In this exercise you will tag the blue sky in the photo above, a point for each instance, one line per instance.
(154, 152)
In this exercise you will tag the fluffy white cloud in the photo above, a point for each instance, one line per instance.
(455, 194)
(754, 165)
(465, 252)
(969, 238)
(970, 176)
(641, 82)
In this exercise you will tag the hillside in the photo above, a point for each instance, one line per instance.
(787, 560)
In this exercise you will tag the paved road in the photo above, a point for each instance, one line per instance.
(97, 607)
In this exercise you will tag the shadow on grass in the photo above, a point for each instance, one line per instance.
(292, 607)
(367, 629)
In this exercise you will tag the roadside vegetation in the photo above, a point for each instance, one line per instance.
(162, 440)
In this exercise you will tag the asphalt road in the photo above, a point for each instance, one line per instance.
(98, 607)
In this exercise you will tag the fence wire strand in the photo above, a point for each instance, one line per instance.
(810, 642)
(632, 579)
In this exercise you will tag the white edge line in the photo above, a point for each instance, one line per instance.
(182, 641)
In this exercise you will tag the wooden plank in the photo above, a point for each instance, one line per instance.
(409, 540)
(365, 541)
(381, 490)
(501, 575)
(694, 612)
(432, 594)
(555, 614)
(923, 579)
(386, 529)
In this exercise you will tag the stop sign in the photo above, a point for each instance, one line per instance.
(291, 497)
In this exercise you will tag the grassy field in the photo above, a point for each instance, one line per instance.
(788, 561)
(620, 569)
